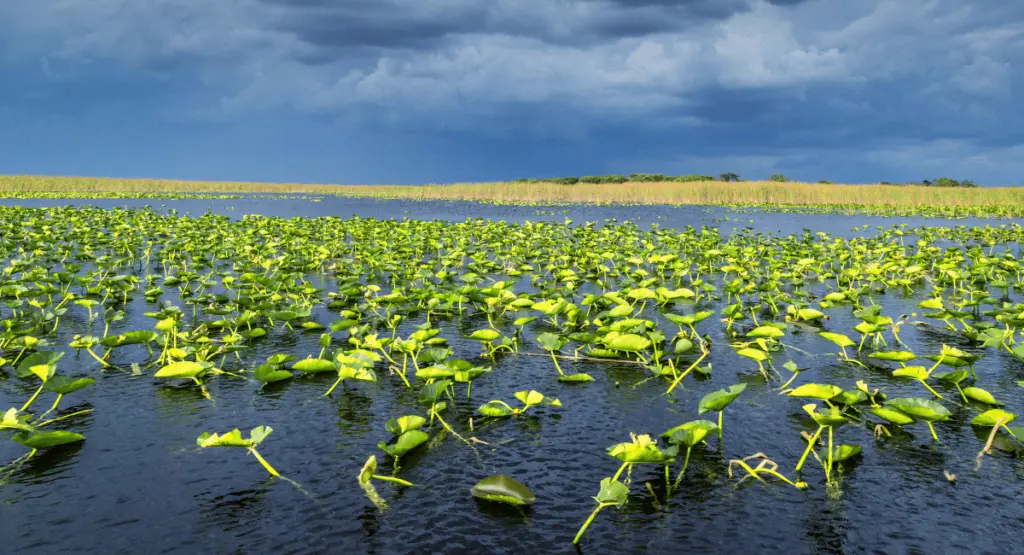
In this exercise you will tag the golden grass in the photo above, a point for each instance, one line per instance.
(708, 192)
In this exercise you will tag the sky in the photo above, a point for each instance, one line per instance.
(440, 91)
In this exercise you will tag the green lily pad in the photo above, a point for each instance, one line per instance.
(503, 489)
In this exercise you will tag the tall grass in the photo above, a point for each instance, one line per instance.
(707, 192)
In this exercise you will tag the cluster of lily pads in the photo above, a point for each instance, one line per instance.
(379, 296)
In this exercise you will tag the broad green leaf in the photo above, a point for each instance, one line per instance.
(925, 409)
(753, 354)
(832, 417)
(259, 433)
(841, 452)
(15, 420)
(892, 415)
(45, 440)
(993, 417)
(486, 334)
(894, 356)
(230, 439)
(503, 489)
(718, 400)
(405, 443)
(980, 395)
(38, 358)
(496, 409)
(642, 449)
(267, 373)
(404, 424)
(914, 372)
(430, 393)
(629, 342)
(770, 332)
(577, 377)
(809, 314)
(550, 341)
(63, 385)
(837, 338)
(313, 365)
(182, 370)
(683, 345)
(953, 377)
(691, 433)
(434, 372)
(816, 391)
(612, 492)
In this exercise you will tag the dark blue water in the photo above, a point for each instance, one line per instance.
(139, 484)
(666, 216)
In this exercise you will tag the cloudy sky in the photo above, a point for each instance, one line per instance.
(413, 91)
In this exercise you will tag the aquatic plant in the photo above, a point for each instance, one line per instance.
(500, 409)
(716, 401)
(503, 489)
(689, 434)
(368, 473)
(234, 439)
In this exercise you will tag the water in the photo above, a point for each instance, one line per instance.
(666, 216)
(139, 484)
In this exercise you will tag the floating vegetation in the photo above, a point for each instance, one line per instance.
(795, 326)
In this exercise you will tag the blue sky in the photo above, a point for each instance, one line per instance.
(414, 91)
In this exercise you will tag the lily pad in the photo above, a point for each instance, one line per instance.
(503, 489)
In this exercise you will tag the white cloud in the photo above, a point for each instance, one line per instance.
(984, 76)
(581, 55)
(759, 49)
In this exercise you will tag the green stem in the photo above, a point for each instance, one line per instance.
(687, 371)
(336, 384)
(810, 446)
(686, 462)
(264, 462)
(828, 468)
(932, 429)
(557, 367)
(619, 472)
(33, 398)
(98, 359)
(962, 396)
(395, 480)
(66, 416)
(590, 519)
(929, 388)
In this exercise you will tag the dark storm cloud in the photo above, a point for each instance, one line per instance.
(337, 25)
(845, 90)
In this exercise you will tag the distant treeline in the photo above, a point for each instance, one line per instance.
(662, 178)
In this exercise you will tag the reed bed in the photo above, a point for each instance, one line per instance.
(707, 192)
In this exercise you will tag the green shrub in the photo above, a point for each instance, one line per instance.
(692, 177)
(648, 177)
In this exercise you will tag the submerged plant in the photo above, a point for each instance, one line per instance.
(368, 473)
